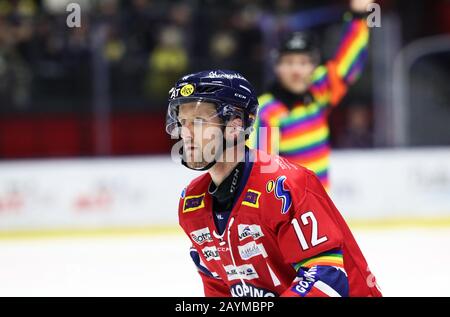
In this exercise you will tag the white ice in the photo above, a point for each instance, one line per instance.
(406, 262)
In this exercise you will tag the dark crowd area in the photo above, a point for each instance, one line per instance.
(128, 54)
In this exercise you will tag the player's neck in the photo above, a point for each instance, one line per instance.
(221, 170)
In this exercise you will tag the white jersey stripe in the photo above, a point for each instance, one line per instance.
(326, 289)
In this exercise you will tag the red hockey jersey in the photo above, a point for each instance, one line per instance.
(282, 217)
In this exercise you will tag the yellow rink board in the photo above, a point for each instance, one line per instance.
(357, 224)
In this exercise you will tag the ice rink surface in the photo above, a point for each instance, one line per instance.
(406, 262)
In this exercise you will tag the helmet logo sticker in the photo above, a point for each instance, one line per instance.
(187, 90)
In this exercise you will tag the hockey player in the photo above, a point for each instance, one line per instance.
(299, 101)
(259, 224)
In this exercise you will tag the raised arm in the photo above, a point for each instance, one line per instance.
(348, 62)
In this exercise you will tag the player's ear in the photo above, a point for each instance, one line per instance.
(235, 127)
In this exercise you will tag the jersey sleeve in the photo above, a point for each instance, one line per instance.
(307, 229)
(330, 81)
(213, 285)
(320, 276)
(311, 241)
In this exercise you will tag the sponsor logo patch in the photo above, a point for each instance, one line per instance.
(251, 198)
(210, 253)
(245, 231)
(187, 90)
(306, 282)
(246, 272)
(192, 203)
(248, 290)
(214, 74)
(251, 249)
(201, 236)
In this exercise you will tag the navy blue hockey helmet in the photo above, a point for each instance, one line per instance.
(232, 94)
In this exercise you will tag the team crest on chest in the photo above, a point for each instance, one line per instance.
(280, 192)
(192, 203)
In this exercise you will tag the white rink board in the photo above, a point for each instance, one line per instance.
(93, 193)
(90, 193)
(391, 183)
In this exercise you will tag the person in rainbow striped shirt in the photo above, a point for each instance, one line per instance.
(299, 102)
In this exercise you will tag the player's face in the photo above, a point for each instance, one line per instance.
(294, 72)
(199, 122)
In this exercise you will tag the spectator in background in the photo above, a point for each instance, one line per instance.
(140, 22)
(223, 49)
(180, 16)
(298, 103)
(171, 55)
(15, 74)
(166, 63)
(249, 48)
(114, 48)
(77, 50)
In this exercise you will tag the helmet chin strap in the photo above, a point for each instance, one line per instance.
(205, 168)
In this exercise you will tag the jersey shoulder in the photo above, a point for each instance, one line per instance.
(283, 185)
(199, 182)
(269, 167)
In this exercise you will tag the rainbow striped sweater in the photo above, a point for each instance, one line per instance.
(303, 133)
